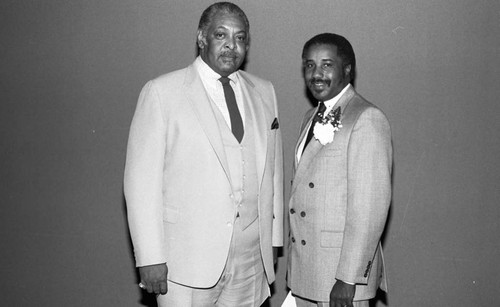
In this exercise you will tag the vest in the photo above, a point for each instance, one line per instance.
(242, 168)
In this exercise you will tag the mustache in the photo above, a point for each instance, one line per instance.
(326, 81)
(229, 54)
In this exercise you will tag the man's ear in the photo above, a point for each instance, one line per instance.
(201, 40)
(347, 70)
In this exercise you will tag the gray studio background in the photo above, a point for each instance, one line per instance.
(70, 75)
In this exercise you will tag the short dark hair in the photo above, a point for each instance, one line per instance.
(344, 48)
(224, 8)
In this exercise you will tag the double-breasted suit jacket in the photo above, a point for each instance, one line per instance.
(177, 183)
(339, 203)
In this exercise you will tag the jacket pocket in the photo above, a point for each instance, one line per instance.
(331, 239)
(331, 152)
(170, 214)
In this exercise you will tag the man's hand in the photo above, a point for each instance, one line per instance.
(342, 294)
(154, 278)
(275, 255)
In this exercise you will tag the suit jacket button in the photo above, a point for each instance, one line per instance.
(303, 214)
(311, 185)
(292, 211)
(303, 242)
(293, 240)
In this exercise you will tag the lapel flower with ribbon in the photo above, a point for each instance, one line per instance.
(325, 128)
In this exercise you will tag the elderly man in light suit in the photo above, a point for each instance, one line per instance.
(203, 176)
(341, 189)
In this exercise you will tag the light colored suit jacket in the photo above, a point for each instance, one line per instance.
(339, 203)
(177, 184)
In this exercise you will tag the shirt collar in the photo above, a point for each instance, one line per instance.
(209, 75)
(331, 102)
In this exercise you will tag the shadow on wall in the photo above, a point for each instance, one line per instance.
(380, 297)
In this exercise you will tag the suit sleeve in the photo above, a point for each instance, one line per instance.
(369, 164)
(143, 178)
(278, 183)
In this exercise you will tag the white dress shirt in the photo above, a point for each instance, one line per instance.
(213, 86)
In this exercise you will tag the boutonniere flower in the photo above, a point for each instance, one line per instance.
(325, 128)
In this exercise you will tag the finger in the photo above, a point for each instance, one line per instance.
(156, 288)
(163, 288)
(149, 287)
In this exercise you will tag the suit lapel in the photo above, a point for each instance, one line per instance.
(303, 134)
(344, 101)
(254, 107)
(314, 147)
(305, 161)
(201, 105)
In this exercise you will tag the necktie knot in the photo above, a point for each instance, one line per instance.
(321, 111)
(224, 80)
(322, 107)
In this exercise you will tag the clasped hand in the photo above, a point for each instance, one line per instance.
(154, 278)
(342, 294)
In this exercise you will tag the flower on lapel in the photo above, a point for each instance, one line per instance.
(324, 129)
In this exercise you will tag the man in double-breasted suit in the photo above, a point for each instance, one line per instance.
(203, 176)
(341, 188)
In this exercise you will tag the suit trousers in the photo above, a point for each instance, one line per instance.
(307, 303)
(243, 282)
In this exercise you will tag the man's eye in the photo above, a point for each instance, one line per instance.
(219, 35)
(241, 38)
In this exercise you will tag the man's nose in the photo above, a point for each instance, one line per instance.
(230, 43)
(317, 72)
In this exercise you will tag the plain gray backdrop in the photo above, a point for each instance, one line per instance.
(70, 75)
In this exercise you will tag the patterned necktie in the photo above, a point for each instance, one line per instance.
(232, 107)
(316, 119)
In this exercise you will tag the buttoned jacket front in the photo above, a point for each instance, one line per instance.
(177, 186)
(339, 203)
